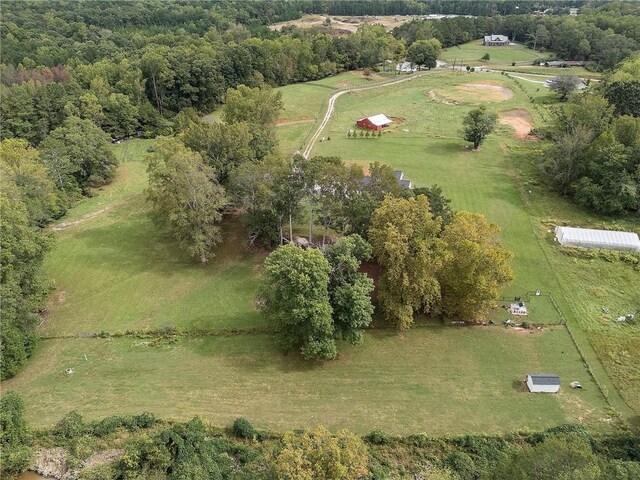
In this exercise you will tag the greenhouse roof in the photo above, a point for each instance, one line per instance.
(590, 238)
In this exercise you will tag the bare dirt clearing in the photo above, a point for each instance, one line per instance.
(472, 93)
(285, 122)
(349, 24)
(520, 120)
(486, 92)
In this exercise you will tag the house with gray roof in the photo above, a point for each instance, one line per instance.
(496, 40)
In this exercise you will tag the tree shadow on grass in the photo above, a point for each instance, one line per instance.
(136, 244)
(519, 386)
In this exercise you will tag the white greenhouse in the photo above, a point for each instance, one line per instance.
(590, 238)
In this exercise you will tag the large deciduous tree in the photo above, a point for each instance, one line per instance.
(295, 297)
(477, 124)
(258, 107)
(404, 236)
(21, 165)
(349, 289)
(425, 53)
(187, 197)
(15, 449)
(564, 85)
(78, 156)
(476, 267)
(564, 457)
(223, 146)
(622, 88)
(439, 205)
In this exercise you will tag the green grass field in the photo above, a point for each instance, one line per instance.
(471, 53)
(434, 380)
(427, 147)
(117, 271)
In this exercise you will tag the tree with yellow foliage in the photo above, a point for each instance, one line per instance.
(318, 455)
(404, 237)
(476, 267)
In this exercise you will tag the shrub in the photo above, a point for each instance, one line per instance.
(15, 449)
(144, 420)
(242, 428)
(462, 464)
(106, 426)
(486, 57)
(71, 425)
(419, 440)
(378, 437)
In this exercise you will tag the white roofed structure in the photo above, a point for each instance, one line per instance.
(605, 239)
(380, 120)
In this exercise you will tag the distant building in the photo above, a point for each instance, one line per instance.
(376, 122)
(573, 12)
(401, 180)
(496, 40)
(543, 383)
(366, 180)
(405, 67)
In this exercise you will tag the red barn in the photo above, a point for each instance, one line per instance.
(377, 122)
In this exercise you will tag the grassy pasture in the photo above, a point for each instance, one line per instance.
(117, 271)
(435, 380)
(471, 53)
(501, 183)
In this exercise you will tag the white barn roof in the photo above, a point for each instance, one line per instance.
(590, 238)
(379, 120)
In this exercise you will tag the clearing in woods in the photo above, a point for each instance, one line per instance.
(120, 272)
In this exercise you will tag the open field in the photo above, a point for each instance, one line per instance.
(117, 271)
(348, 24)
(434, 380)
(426, 146)
(471, 53)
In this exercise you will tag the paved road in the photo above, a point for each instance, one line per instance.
(335, 96)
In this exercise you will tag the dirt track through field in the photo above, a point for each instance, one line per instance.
(71, 223)
(520, 120)
(332, 102)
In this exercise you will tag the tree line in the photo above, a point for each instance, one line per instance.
(594, 150)
(603, 36)
(152, 448)
(129, 70)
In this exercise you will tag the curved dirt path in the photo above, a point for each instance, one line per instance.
(84, 218)
(332, 102)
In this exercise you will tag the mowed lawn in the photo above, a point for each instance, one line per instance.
(471, 53)
(305, 103)
(116, 270)
(425, 144)
(435, 380)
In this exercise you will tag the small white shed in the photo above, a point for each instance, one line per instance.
(543, 383)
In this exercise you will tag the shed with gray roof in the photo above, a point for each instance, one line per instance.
(543, 383)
